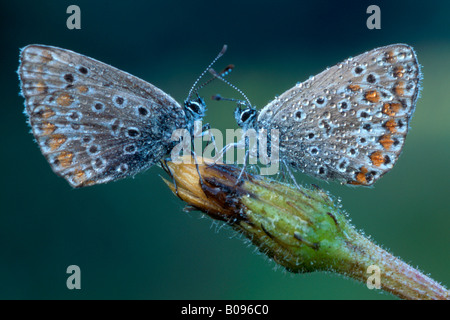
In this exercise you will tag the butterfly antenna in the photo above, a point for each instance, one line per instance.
(224, 72)
(218, 97)
(221, 53)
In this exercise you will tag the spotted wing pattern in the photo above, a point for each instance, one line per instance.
(349, 122)
(93, 122)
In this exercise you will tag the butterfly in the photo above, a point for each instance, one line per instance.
(95, 123)
(349, 122)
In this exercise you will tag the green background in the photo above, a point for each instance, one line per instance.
(131, 239)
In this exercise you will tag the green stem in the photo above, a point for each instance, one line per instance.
(396, 276)
(302, 229)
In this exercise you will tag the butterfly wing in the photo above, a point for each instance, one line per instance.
(349, 122)
(93, 122)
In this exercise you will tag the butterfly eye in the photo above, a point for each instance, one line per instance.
(194, 107)
(247, 114)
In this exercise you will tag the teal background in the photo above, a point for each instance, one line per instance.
(131, 239)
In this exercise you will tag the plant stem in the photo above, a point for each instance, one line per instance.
(397, 277)
(300, 228)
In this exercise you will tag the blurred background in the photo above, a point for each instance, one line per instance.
(131, 238)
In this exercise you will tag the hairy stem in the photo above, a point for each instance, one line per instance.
(300, 228)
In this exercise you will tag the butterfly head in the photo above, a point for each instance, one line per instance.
(195, 109)
(246, 118)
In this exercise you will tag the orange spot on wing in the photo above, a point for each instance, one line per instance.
(399, 88)
(377, 158)
(47, 113)
(83, 89)
(46, 57)
(64, 100)
(360, 177)
(372, 96)
(399, 71)
(79, 176)
(56, 141)
(47, 128)
(390, 57)
(88, 183)
(386, 141)
(44, 112)
(391, 125)
(353, 87)
(41, 87)
(391, 109)
(65, 159)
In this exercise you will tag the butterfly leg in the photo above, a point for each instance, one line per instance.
(244, 144)
(220, 154)
(194, 156)
(244, 166)
(291, 175)
(205, 131)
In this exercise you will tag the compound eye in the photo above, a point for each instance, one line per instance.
(245, 115)
(194, 107)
